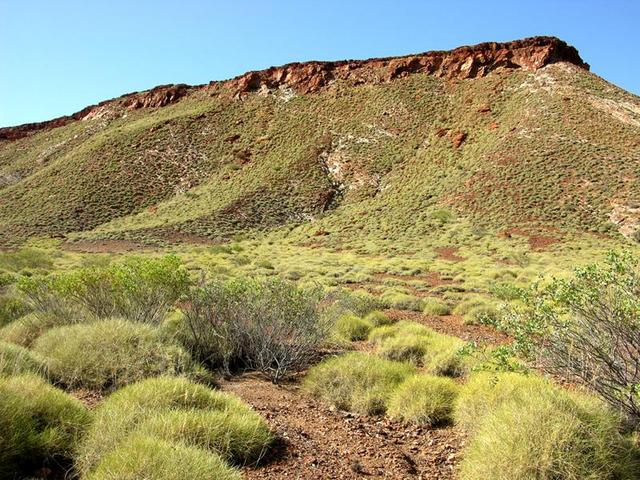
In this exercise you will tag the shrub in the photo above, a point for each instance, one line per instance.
(15, 360)
(137, 289)
(27, 329)
(481, 315)
(11, 308)
(26, 258)
(140, 457)
(404, 348)
(486, 391)
(158, 406)
(352, 328)
(552, 434)
(445, 356)
(355, 303)
(108, 354)
(271, 326)
(357, 382)
(433, 306)
(424, 400)
(403, 301)
(587, 328)
(39, 423)
(378, 319)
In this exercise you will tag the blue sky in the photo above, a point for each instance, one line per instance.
(57, 57)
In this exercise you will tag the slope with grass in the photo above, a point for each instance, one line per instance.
(498, 135)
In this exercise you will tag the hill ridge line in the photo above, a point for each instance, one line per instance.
(312, 76)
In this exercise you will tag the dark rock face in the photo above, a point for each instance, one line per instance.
(309, 77)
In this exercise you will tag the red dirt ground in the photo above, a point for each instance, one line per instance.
(322, 443)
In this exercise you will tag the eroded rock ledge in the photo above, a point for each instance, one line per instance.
(309, 77)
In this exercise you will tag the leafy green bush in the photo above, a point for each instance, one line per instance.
(141, 457)
(550, 434)
(179, 411)
(272, 326)
(357, 382)
(15, 360)
(587, 328)
(108, 354)
(24, 331)
(424, 400)
(352, 328)
(433, 306)
(378, 318)
(38, 422)
(138, 289)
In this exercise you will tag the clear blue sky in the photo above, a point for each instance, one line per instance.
(57, 56)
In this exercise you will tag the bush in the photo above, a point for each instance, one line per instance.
(357, 382)
(11, 308)
(26, 258)
(403, 301)
(355, 303)
(39, 423)
(486, 391)
(486, 314)
(445, 356)
(271, 326)
(140, 457)
(15, 360)
(433, 306)
(27, 329)
(586, 328)
(378, 319)
(137, 289)
(404, 348)
(352, 328)
(108, 354)
(159, 406)
(424, 400)
(551, 435)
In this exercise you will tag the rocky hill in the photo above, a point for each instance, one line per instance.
(505, 136)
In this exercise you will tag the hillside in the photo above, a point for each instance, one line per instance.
(512, 136)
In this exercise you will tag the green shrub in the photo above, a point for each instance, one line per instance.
(38, 423)
(24, 331)
(433, 306)
(238, 436)
(403, 301)
(138, 289)
(487, 391)
(15, 360)
(357, 382)
(444, 356)
(141, 457)
(378, 319)
(486, 314)
(158, 405)
(552, 434)
(108, 354)
(357, 303)
(352, 328)
(26, 258)
(404, 348)
(11, 308)
(424, 400)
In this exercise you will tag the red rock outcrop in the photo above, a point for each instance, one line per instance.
(309, 77)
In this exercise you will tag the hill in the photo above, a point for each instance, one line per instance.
(505, 137)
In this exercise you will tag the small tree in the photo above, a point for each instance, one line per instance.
(586, 327)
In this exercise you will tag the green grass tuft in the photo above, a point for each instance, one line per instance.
(424, 400)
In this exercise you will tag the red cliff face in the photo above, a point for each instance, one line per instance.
(309, 77)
